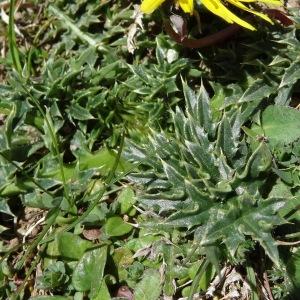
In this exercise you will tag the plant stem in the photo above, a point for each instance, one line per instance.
(197, 278)
(55, 145)
(98, 197)
(50, 221)
(29, 272)
(12, 39)
(26, 175)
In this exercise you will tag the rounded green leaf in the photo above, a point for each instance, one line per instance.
(71, 245)
(123, 257)
(50, 298)
(149, 288)
(89, 271)
(126, 199)
(115, 226)
(281, 124)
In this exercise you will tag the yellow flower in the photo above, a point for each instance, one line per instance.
(217, 7)
(148, 6)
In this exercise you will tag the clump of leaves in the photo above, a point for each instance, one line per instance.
(208, 178)
(58, 157)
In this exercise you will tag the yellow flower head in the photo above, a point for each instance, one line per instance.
(217, 7)
(148, 6)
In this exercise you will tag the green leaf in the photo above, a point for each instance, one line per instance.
(127, 199)
(217, 101)
(283, 96)
(169, 260)
(50, 298)
(3, 228)
(280, 190)
(198, 106)
(197, 195)
(53, 277)
(102, 160)
(4, 207)
(293, 268)
(51, 127)
(196, 280)
(173, 173)
(231, 224)
(68, 23)
(251, 276)
(281, 124)
(203, 110)
(71, 245)
(41, 200)
(225, 141)
(190, 99)
(102, 294)
(80, 113)
(149, 288)
(115, 226)
(160, 51)
(291, 75)
(8, 126)
(262, 161)
(88, 273)
(123, 257)
(204, 159)
(207, 277)
(13, 48)
(259, 89)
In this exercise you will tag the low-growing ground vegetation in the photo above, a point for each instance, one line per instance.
(134, 166)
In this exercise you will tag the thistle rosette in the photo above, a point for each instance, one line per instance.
(217, 7)
(207, 178)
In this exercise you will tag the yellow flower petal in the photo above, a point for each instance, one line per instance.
(240, 5)
(187, 5)
(216, 7)
(149, 6)
(274, 2)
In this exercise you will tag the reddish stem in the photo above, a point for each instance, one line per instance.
(221, 35)
(206, 41)
(280, 16)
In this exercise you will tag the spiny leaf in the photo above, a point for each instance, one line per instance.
(197, 195)
(173, 173)
(245, 219)
(225, 141)
(203, 110)
(198, 106)
(258, 90)
(190, 98)
(291, 75)
(204, 159)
